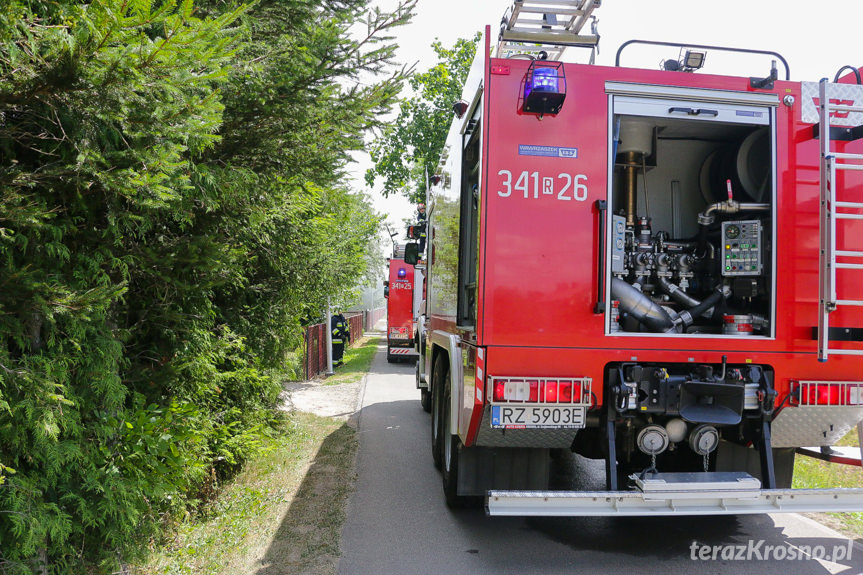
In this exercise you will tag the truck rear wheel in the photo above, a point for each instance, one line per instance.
(439, 381)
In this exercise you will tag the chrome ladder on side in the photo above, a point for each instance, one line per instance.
(831, 217)
(548, 25)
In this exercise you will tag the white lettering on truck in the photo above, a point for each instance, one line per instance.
(531, 184)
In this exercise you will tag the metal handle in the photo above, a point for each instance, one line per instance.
(693, 111)
(601, 207)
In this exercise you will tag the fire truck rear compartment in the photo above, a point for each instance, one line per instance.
(688, 418)
(691, 218)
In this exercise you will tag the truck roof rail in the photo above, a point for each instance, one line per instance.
(776, 55)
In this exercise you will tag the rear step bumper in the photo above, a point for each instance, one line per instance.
(676, 494)
(633, 503)
(403, 351)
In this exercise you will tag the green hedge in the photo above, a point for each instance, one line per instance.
(170, 210)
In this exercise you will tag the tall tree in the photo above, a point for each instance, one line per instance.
(303, 95)
(411, 146)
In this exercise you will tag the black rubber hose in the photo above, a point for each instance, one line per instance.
(708, 303)
(677, 294)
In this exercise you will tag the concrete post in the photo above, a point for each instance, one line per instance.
(329, 339)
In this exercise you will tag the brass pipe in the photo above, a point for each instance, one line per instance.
(630, 183)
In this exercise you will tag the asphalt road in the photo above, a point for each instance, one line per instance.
(399, 524)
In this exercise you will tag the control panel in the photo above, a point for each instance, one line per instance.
(742, 248)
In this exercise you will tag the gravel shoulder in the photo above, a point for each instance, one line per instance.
(320, 397)
(339, 401)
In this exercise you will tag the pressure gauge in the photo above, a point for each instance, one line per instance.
(732, 232)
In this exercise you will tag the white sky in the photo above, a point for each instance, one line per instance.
(815, 37)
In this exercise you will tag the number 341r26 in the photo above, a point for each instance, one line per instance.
(532, 185)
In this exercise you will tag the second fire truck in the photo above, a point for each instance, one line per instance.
(403, 291)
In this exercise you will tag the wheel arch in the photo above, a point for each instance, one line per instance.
(449, 345)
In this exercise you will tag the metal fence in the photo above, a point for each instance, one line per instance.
(374, 316)
(315, 361)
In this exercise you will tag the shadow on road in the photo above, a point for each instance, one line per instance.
(398, 367)
(307, 539)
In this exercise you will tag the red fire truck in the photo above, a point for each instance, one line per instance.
(656, 269)
(401, 290)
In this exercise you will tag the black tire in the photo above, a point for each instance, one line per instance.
(439, 378)
(451, 447)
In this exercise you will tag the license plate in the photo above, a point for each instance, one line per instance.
(399, 333)
(533, 416)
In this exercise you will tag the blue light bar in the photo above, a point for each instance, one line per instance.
(544, 88)
(542, 80)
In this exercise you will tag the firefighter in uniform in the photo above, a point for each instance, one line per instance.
(421, 222)
(341, 336)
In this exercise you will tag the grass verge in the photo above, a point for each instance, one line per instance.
(281, 515)
(810, 472)
(284, 512)
(358, 361)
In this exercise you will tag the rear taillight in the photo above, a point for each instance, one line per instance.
(550, 395)
(540, 390)
(830, 393)
(569, 392)
(499, 391)
(533, 394)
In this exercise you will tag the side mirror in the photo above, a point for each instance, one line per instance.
(416, 231)
(412, 254)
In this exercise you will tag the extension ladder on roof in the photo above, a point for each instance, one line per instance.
(549, 25)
